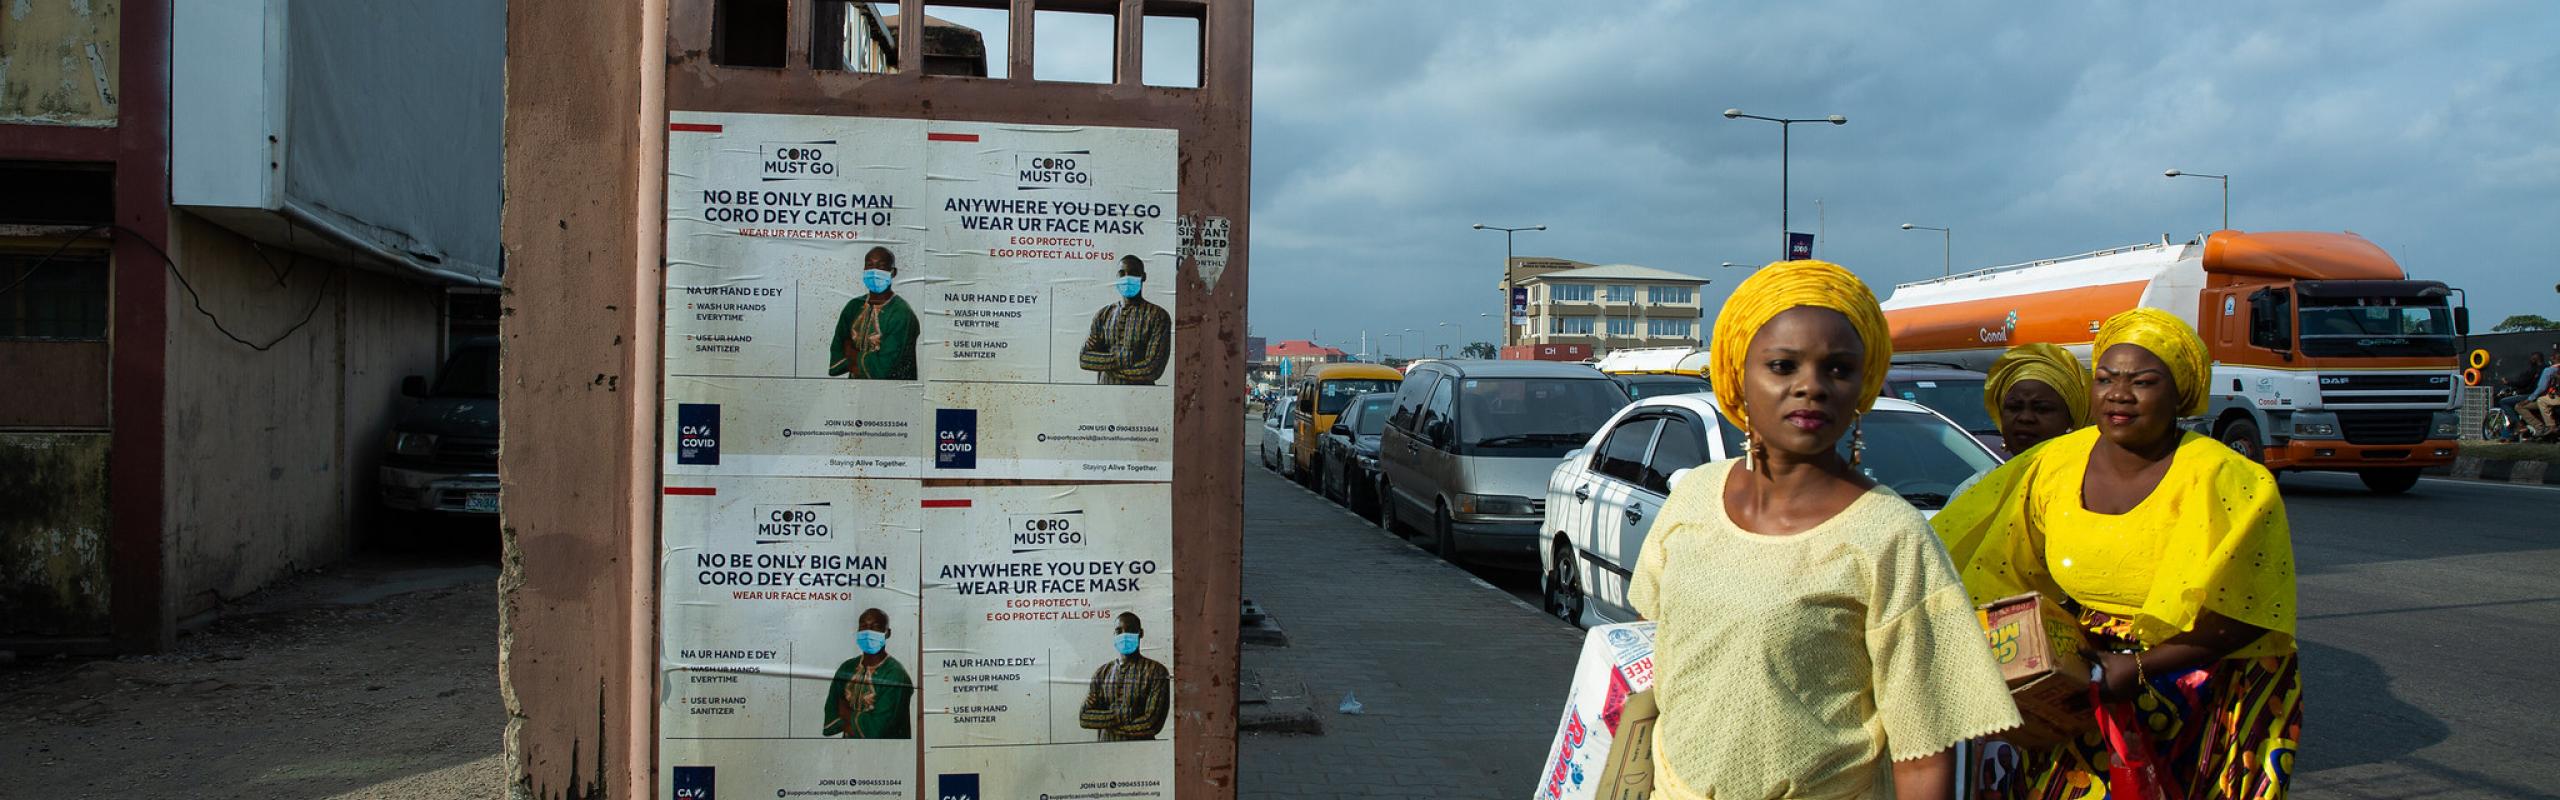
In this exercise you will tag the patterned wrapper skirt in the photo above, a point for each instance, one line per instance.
(2224, 732)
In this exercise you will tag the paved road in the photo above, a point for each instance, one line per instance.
(2433, 624)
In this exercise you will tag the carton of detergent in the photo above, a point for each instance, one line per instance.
(1603, 749)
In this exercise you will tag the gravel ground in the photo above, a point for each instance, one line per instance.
(372, 679)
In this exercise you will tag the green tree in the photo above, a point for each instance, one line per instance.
(2525, 322)
(1479, 350)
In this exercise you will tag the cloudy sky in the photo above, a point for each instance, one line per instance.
(1382, 130)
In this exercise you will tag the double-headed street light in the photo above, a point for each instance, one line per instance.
(1950, 249)
(2226, 190)
(1506, 268)
(1783, 125)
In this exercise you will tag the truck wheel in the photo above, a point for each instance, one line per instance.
(2242, 437)
(2389, 481)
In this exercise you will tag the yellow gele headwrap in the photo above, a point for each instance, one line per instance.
(2170, 338)
(2039, 362)
(1771, 291)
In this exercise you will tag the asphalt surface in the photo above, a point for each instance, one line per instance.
(2432, 623)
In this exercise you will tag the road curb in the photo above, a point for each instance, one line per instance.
(2528, 473)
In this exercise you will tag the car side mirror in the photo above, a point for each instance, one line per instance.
(1340, 430)
(2462, 320)
(414, 386)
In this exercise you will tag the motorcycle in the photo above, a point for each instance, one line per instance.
(2503, 424)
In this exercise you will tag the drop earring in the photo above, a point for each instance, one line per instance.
(1750, 451)
(1857, 441)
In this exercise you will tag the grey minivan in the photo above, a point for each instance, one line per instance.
(1468, 447)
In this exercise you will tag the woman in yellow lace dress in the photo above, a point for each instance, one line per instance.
(1813, 640)
(2175, 553)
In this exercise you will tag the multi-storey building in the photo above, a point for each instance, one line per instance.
(1608, 307)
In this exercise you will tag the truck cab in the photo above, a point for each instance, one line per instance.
(2322, 373)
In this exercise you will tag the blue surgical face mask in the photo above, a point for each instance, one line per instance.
(1127, 642)
(877, 280)
(870, 641)
(1129, 285)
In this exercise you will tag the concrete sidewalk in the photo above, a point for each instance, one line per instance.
(1462, 682)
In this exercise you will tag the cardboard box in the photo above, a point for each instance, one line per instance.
(1603, 748)
(2037, 645)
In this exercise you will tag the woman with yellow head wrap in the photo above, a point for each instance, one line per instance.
(2174, 552)
(2036, 392)
(1813, 640)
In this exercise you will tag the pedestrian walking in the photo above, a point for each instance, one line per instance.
(2173, 551)
(1813, 639)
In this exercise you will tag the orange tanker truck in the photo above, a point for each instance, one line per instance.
(2326, 355)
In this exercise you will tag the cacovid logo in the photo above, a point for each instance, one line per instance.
(694, 783)
(956, 786)
(955, 438)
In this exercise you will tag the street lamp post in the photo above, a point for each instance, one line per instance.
(1949, 268)
(2226, 190)
(1784, 125)
(1506, 269)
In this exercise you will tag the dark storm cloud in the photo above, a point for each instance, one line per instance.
(1382, 130)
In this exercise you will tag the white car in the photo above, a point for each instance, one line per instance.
(1278, 436)
(1601, 500)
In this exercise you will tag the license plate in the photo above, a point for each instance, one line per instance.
(481, 502)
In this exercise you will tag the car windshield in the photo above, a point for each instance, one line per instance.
(2377, 330)
(1338, 393)
(1918, 456)
(1373, 415)
(471, 372)
(1533, 417)
(1643, 386)
(1958, 398)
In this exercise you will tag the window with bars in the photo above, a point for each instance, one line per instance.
(1669, 294)
(1622, 326)
(1621, 293)
(1569, 292)
(1579, 325)
(60, 298)
(1668, 327)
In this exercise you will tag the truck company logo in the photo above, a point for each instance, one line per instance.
(956, 786)
(698, 433)
(1062, 170)
(2007, 326)
(694, 783)
(796, 161)
(955, 438)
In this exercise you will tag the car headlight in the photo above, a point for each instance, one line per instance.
(413, 444)
(2448, 425)
(2308, 430)
(1494, 504)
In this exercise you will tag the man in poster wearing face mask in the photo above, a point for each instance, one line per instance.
(868, 698)
(1131, 695)
(876, 335)
(1132, 340)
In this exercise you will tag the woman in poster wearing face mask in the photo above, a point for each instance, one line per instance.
(1813, 639)
(876, 335)
(2174, 552)
(868, 698)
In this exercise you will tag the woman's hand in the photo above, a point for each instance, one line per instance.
(2120, 676)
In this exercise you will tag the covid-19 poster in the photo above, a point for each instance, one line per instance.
(917, 459)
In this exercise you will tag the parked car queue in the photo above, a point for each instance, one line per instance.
(1561, 465)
